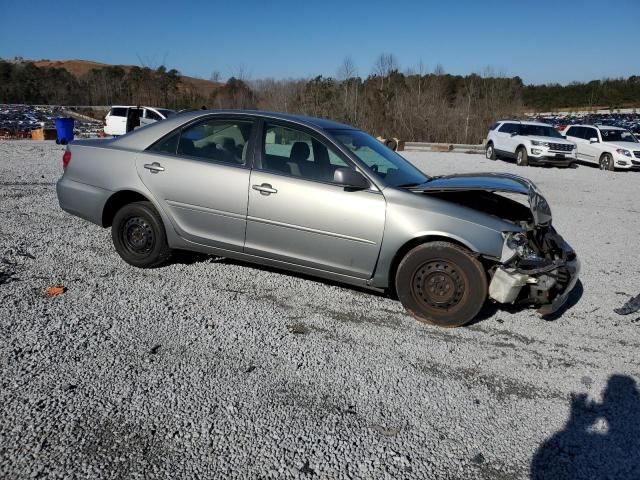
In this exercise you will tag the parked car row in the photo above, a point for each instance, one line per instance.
(629, 121)
(536, 143)
(17, 121)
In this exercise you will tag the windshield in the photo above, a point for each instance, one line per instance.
(539, 131)
(379, 159)
(617, 136)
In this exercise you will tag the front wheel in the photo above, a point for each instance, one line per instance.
(522, 158)
(606, 162)
(442, 284)
(139, 236)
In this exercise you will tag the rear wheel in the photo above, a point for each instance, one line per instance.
(606, 162)
(442, 284)
(490, 152)
(522, 158)
(139, 236)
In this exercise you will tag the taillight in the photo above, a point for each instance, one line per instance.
(66, 158)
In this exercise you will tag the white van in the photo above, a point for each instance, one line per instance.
(115, 123)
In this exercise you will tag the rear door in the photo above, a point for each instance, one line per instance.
(117, 121)
(200, 176)
(591, 151)
(298, 215)
(576, 135)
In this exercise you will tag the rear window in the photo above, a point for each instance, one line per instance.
(494, 126)
(118, 112)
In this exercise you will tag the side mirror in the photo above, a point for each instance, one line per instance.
(594, 140)
(349, 178)
(513, 134)
(564, 136)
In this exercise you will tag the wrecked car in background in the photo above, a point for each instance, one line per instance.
(318, 197)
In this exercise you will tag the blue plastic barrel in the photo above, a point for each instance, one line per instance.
(64, 130)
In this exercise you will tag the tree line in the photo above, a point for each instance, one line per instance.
(414, 104)
(607, 93)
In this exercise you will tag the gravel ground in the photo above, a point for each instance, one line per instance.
(209, 368)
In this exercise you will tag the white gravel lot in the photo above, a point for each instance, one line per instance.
(209, 368)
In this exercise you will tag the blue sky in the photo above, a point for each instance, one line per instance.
(541, 41)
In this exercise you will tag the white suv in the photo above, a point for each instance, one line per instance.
(529, 143)
(607, 147)
(124, 118)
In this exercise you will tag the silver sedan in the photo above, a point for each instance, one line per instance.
(321, 198)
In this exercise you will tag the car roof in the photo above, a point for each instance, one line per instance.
(141, 138)
(320, 123)
(526, 122)
(139, 106)
(599, 127)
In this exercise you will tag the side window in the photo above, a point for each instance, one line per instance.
(494, 126)
(336, 160)
(579, 132)
(298, 154)
(167, 145)
(571, 132)
(216, 140)
(509, 128)
(118, 112)
(591, 133)
(152, 115)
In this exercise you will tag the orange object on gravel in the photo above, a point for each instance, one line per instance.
(56, 290)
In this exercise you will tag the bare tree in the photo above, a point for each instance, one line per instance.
(385, 64)
(347, 73)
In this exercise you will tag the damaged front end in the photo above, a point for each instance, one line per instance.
(537, 267)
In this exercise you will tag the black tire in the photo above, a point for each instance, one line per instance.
(606, 162)
(490, 152)
(139, 235)
(522, 158)
(441, 284)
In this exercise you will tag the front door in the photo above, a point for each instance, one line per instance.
(505, 138)
(200, 177)
(298, 215)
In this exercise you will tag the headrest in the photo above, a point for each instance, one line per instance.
(300, 151)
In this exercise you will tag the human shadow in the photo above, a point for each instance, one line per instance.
(599, 440)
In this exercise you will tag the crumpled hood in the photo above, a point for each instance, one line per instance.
(492, 182)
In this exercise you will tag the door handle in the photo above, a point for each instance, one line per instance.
(155, 167)
(264, 189)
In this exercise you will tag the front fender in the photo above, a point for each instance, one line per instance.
(412, 216)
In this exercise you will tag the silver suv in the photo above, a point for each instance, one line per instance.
(322, 198)
(529, 143)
